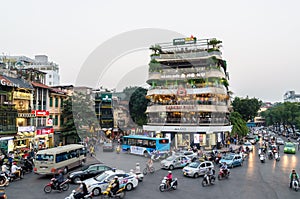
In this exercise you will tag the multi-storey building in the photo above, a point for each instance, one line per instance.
(291, 96)
(189, 100)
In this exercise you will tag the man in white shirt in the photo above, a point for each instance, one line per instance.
(16, 170)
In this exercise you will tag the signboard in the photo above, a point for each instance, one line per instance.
(49, 122)
(196, 138)
(21, 95)
(44, 131)
(137, 150)
(183, 41)
(176, 107)
(5, 82)
(26, 129)
(40, 113)
(106, 97)
(25, 115)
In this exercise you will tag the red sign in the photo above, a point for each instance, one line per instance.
(40, 113)
(44, 131)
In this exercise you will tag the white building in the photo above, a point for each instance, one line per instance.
(291, 96)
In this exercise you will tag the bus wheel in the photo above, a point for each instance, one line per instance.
(146, 154)
(65, 170)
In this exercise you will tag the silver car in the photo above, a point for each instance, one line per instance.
(196, 169)
(175, 161)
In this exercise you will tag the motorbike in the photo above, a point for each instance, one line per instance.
(71, 196)
(223, 174)
(118, 149)
(155, 156)
(295, 185)
(52, 185)
(270, 155)
(277, 156)
(140, 176)
(12, 177)
(163, 185)
(208, 180)
(27, 166)
(148, 169)
(262, 158)
(108, 193)
(4, 180)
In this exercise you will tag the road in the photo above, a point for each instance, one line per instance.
(252, 180)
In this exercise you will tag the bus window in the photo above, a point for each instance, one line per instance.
(152, 144)
(164, 141)
(44, 157)
(139, 143)
(131, 142)
(145, 143)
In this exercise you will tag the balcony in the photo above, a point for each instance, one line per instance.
(189, 55)
(190, 90)
(188, 121)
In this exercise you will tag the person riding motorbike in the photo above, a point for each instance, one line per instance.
(224, 168)
(115, 185)
(169, 179)
(137, 168)
(209, 173)
(293, 175)
(59, 179)
(16, 170)
(81, 191)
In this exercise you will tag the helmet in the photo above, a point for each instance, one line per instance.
(116, 177)
(170, 171)
(60, 171)
(14, 163)
(137, 164)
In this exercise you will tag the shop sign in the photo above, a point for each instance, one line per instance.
(106, 97)
(176, 107)
(49, 122)
(21, 95)
(5, 82)
(26, 115)
(183, 41)
(40, 113)
(26, 129)
(44, 131)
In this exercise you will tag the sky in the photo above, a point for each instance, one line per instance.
(260, 39)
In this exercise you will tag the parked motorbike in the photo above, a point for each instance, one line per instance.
(208, 180)
(262, 158)
(52, 185)
(222, 174)
(108, 193)
(295, 185)
(71, 196)
(163, 185)
(4, 180)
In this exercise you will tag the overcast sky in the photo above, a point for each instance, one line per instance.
(260, 37)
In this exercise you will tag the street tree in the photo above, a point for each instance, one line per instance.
(239, 126)
(246, 107)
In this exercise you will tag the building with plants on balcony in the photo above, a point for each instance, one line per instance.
(189, 96)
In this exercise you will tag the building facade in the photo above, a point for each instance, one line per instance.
(189, 100)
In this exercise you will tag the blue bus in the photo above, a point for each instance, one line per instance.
(143, 145)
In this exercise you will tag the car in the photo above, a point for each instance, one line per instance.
(175, 161)
(289, 147)
(196, 169)
(189, 154)
(252, 139)
(108, 147)
(247, 144)
(2, 194)
(232, 160)
(98, 184)
(280, 141)
(88, 171)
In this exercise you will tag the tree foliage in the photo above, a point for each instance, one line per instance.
(239, 125)
(138, 105)
(246, 107)
(283, 114)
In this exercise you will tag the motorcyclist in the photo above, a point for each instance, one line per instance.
(209, 173)
(16, 170)
(59, 179)
(293, 175)
(137, 168)
(81, 191)
(115, 185)
(169, 179)
(224, 168)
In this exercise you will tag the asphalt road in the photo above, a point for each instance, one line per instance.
(252, 180)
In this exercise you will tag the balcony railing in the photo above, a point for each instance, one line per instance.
(189, 54)
(188, 121)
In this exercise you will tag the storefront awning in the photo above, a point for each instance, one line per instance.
(26, 134)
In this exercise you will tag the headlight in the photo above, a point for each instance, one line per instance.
(293, 149)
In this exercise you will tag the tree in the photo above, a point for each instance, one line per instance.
(239, 125)
(138, 105)
(247, 108)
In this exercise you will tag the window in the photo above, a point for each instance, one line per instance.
(164, 141)
(56, 102)
(51, 102)
(56, 120)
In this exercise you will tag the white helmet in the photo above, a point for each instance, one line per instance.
(137, 164)
(170, 171)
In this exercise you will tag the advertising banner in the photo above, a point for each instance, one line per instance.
(137, 150)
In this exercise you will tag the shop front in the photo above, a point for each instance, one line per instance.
(6, 144)
(24, 138)
(44, 138)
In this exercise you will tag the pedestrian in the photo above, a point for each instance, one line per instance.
(92, 150)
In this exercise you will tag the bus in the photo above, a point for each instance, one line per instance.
(49, 161)
(143, 145)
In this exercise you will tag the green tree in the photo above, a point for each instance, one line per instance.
(138, 105)
(239, 126)
(247, 108)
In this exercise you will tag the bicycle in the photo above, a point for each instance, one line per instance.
(148, 170)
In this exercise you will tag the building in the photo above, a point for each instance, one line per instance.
(291, 96)
(189, 96)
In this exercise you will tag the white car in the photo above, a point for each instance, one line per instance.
(175, 161)
(280, 141)
(196, 169)
(247, 144)
(98, 184)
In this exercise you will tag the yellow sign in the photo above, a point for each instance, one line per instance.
(21, 95)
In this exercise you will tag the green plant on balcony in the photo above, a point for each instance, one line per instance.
(224, 82)
(215, 43)
(154, 67)
(156, 49)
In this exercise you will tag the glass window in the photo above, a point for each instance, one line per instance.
(51, 102)
(56, 102)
